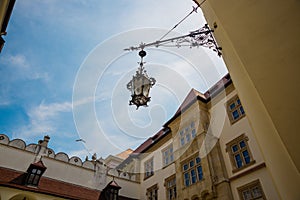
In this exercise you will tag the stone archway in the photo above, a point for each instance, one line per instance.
(195, 197)
(22, 197)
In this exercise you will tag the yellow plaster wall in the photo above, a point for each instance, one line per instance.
(260, 48)
(160, 172)
(3, 7)
(15, 194)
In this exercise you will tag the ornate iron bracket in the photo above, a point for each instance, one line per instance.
(201, 37)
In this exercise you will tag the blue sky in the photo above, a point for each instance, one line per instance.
(64, 71)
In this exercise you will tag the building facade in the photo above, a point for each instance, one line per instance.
(35, 171)
(207, 150)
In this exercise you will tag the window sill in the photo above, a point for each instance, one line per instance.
(32, 186)
(243, 167)
(194, 184)
(168, 165)
(147, 177)
(233, 121)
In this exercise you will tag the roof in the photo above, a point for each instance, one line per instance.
(39, 164)
(191, 98)
(125, 154)
(195, 95)
(14, 179)
(113, 183)
(218, 87)
(150, 141)
(145, 145)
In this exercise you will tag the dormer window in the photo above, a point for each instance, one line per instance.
(110, 192)
(34, 173)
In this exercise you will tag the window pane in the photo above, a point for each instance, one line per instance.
(242, 144)
(238, 161)
(192, 163)
(247, 195)
(186, 179)
(200, 173)
(170, 194)
(193, 133)
(33, 171)
(232, 106)
(192, 124)
(235, 114)
(174, 190)
(256, 192)
(198, 160)
(182, 141)
(193, 175)
(242, 110)
(246, 156)
(181, 133)
(188, 138)
(166, 160)
(185, 167)
(30, 179)
(166, 153)
(171, 158)
(149, 168)
(35, 180)
(38, 171)
(234, 148)
(238, 101)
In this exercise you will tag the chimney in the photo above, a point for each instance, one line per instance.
(45, 141)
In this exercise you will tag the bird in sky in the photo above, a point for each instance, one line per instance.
(80, 140)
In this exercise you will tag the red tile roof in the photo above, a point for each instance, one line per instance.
(144, 146)
(113, 183)
(191, 98)
(15, 179)
(39, 164)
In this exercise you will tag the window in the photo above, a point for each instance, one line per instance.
(168, 156)
(239, 153)
(111, 191)
(192, 171)
(187, 134)
(170, 184)
(34, 177)
(235, 109)
(149, 168)
(34, 173)
(251, 191)
(152, 193)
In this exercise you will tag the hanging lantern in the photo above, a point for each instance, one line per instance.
(140, 85)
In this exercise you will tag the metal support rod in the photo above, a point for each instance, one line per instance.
(205, 38)
(157, 43)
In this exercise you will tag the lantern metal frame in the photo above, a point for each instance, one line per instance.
(140, 85)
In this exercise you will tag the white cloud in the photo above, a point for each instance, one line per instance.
(43, 119)
(44, 111)
(18, 61)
